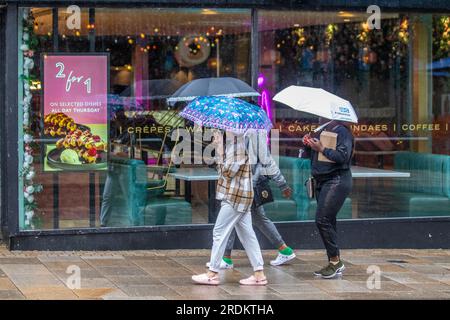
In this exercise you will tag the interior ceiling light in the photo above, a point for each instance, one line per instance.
(344, 14)
(209, 11)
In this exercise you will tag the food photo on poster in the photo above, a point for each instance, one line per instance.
(75, 108)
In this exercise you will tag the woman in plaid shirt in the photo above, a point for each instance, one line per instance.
(235, 191)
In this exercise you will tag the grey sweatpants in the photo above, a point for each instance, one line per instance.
(228, 220)
(112, 179)
(265, 225)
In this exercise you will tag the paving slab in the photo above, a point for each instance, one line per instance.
(85, 273)
(134, 280)
(48, 293)
(412, 277)
(427, 269)
(198, 290)
(258, 296)
(154, 263)
(430, 286)
(7, 284)
(11, 295)
(19, 260)
(338, 286)
(93, 293)
(166, 274)
(121, 271)
(170, 272)
(148, 290)
(302, 288)
(306, 296)
(239, 290)
(386, 285)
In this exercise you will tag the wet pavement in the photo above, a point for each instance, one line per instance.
(369, 274)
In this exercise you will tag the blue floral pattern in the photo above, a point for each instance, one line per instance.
(226, 113)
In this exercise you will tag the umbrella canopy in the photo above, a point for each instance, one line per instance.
(318, 102)
(226, 86)
(229, 114)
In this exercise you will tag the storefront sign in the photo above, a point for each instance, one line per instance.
(75, 111)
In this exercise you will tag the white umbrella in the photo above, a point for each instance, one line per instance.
(318, 102)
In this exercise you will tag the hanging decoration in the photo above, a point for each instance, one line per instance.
(301, 38)
(363, 35)
(400, 38)
(330, 30)
(193, 50)
(28, 46)
(442, 37)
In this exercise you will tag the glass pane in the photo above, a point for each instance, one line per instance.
(396, 77)
(152, 52)
(70, 37)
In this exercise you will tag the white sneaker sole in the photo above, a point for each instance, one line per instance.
(228, 266)
(274, 263)
(337, 273)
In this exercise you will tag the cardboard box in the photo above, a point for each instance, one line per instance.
(329, 140)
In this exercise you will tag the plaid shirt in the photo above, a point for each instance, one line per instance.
(235, 185)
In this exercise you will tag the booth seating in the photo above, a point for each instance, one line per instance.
(139, 201)
(299, 207)
(427, 191)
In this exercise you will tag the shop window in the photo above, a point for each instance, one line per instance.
(396, 77)
(96, 130)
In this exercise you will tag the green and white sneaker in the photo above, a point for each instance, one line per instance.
(282, 259)
(331, 270)
(224, 264)
(284, 256)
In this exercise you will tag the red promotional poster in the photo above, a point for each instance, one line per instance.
(75, 108)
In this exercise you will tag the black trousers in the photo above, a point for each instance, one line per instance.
(330, 195)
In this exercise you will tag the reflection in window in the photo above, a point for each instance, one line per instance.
(396, 78)
(152, 53)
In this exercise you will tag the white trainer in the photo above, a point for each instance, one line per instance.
(282, 259)
(223, 265)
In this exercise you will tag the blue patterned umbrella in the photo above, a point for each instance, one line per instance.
(229, 114)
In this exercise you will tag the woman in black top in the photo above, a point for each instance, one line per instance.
(333, 185)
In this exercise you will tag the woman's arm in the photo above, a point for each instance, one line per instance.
(344, 146)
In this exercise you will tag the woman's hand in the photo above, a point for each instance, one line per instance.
(287, 193)
(306, 139)
(316, 145)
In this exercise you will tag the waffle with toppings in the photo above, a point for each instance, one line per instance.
(58, 124)
(87, 145)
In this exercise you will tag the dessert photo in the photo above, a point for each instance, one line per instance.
(57, 125)
(77, 148)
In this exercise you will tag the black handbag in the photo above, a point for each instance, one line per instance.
(262, 192)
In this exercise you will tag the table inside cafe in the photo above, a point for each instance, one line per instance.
(198, 174)
(209, 174)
